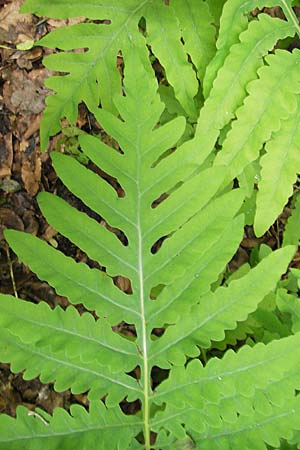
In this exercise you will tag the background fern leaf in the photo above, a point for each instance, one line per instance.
(216, 8)
(197, 31)
(277, 88)
(229, 88)
(280, 166)
(268, 430)
(292, 229)
(93, 76)
(161, 21)
(63, 430)
(219, 311)
(233, 22)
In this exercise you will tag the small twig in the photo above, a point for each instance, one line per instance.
(11, 272)
(35, 414)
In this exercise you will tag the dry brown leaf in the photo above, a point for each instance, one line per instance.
(31, 171)
(15, 27)
(6, 155)
(23, 93)
(9, 219)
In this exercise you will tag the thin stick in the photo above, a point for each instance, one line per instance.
(9, 262)
(35, 414)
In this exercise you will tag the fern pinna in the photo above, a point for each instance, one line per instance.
(180, 222)
(197, 66)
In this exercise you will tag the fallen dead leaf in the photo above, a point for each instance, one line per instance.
(34, 126)
(15, 27)
(6, 155)
(23, 93)
(9, 219)
(31, 224)
(31, 171)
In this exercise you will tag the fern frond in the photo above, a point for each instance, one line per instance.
(216, 8)
(233, 22)
(170, 227)
(162, 22)
(76, 281)
(229, 89)
(197, 32)
(219, 311)
(64, 431)
(267, 431)
(225, 393)
(280, 166)
(67, 371)
(66, 331)
(231, 374)
(291, 234)
(271, 99)
(93, 75)
(288, 303)
(215, 227)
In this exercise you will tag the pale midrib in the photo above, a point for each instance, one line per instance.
(144, 333)
(142, 299)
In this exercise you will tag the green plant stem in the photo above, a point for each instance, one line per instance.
(291, 16)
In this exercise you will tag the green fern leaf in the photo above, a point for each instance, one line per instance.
(288, 303)
(268, 430)
(276, 88)
(215, 227)
(197, 31)
(219, 311)
(170, 227)
(221, 396)
(233, 22)
(291, 234)
(63, 431)
(280, 166)
(93, 75)
(95, 336)
(68, 370)
(229, 89)
(76, 281)
(230, 375)
(215, 8)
